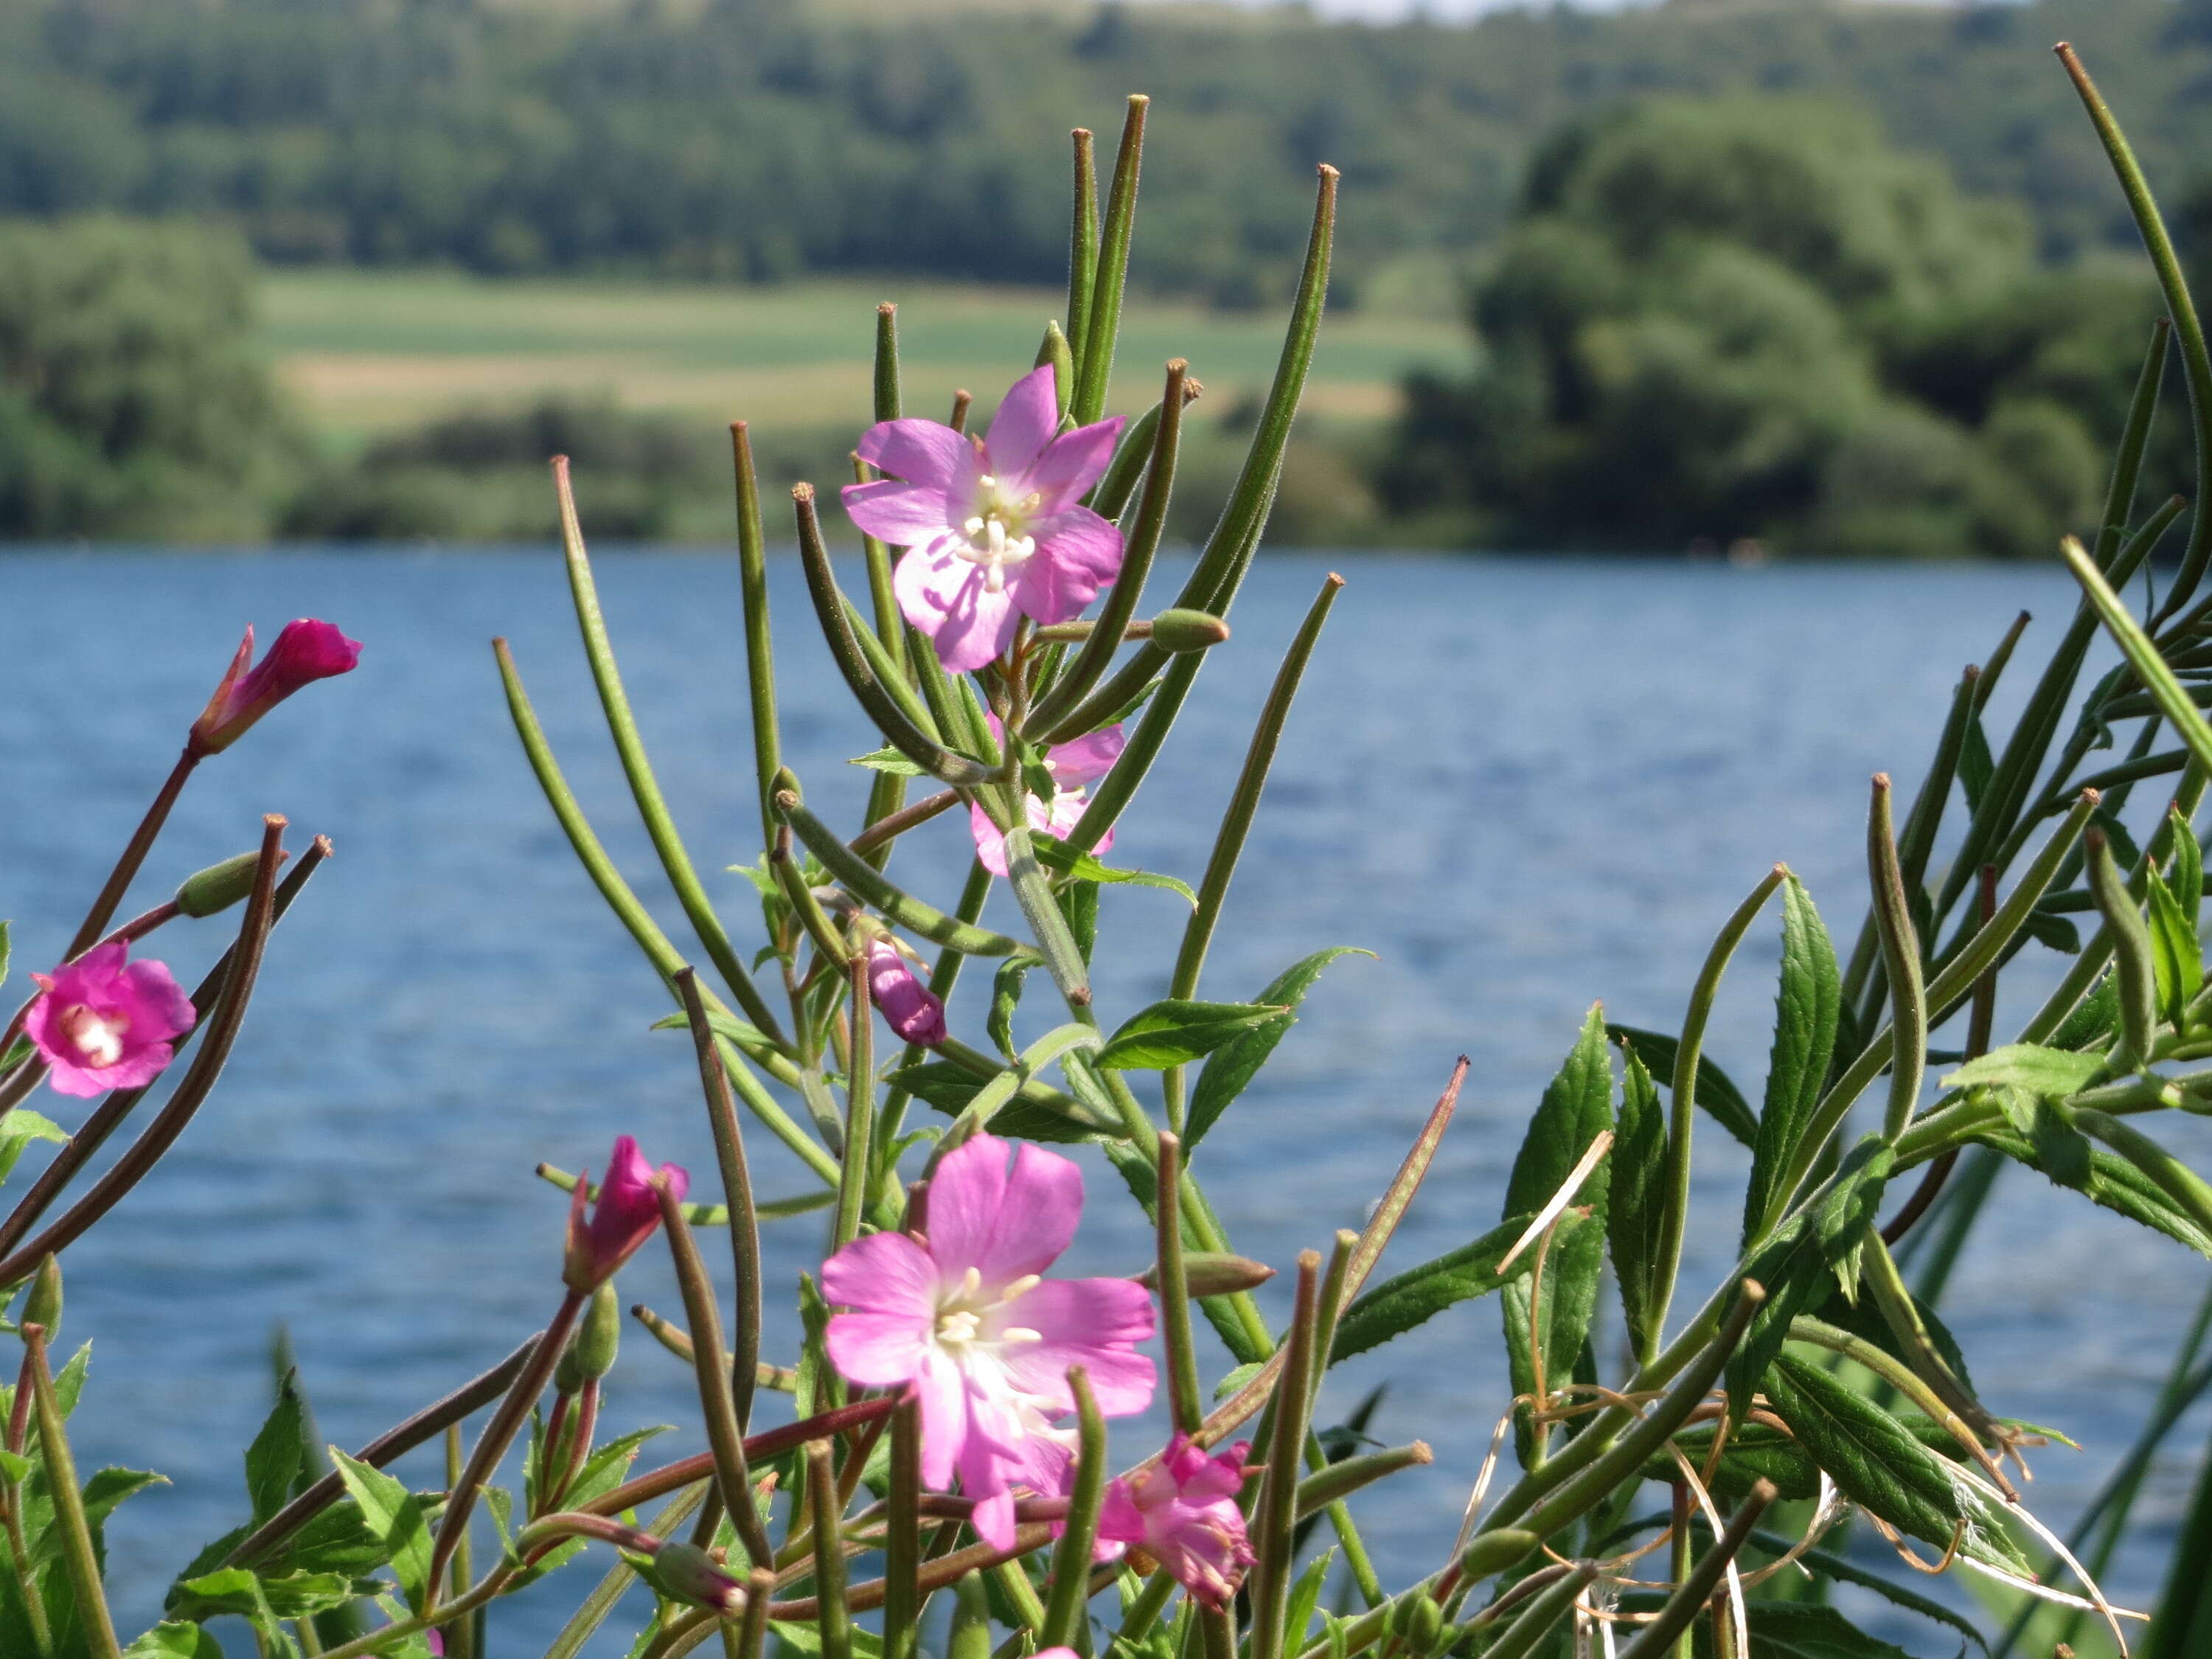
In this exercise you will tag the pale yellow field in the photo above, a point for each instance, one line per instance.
(370, 352)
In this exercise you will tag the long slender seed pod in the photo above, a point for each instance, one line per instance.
(637, 767)
(1244, 806)
(831, 1618)
(1692, 1595)
(2196, 364)
(1082, 244)
(79, 1556)
(1900, 954)
(717, 1405)
(1186, 1404)
(872, 888)
(859, 1168)
(1066, 1617)
(738, 1196)
(760, 641)
(2131, 956)
(1274, 1510)
(1103, 322)
(1541, 1617)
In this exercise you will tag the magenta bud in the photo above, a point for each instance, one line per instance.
(689, 1574)
(1178, 631)
(911, 1009)
(628, 1211)
(306, 651)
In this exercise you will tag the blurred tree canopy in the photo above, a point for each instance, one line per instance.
(765, 138)
(1755, 317)
(133, 403)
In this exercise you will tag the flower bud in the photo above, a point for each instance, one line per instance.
(590, 1354)
(1178, 630)
(1423, 1624)
(628, 1212)
(219, 886)
(689, 1574)
(912, 1010)
(44, 1305)
(1493, 1553)
(305, 652)
(1208, 1273)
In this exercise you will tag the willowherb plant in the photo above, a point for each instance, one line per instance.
(947, 1440)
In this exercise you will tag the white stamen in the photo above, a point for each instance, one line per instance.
(1021, 1287)
(96, 1037)
(1019, 1333)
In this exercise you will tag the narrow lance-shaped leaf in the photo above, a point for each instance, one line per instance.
(1230, 1069)
(1637, 1199)
(1807, 1005)
(1419, 1294)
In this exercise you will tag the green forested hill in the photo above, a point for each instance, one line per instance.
(753, 138)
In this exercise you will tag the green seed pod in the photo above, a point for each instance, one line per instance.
(1207, 1273)
(971, 1620)
(218, 887)
(44, 1305)
(1179, 631)
(1493, 1553)
(590, 1354)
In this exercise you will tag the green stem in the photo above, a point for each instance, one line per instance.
(1066, 1625)
(760, 640)
(79, 1557)
(738, 1196)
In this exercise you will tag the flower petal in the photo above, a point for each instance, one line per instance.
(1086, 758)
(1071, 464)
(990, 845)
(943, 1393)
(878, 1350)
(1004, 1225)
(978, 624)
(885, 1273)
(919, 452)
(924, 581)
(903, 514)
(1077, 553)
(1092, 1323)
(1024, 424)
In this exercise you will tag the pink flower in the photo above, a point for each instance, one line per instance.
(993, 527)
(915, 1012)
(1183, 1514)
(306, 651)
(965, 1318)
(628, 1211)
(1072, 766)
(102, 1023)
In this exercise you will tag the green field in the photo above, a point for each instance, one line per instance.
(370, 352)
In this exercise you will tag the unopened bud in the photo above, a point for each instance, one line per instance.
(219, 886)
(590, 1354)
(1055, 350)
(1179, 630)
(44, 1305)
(689, 1574)
(971, 1620)
(1208, 1274)
(1425, 1625)
(1493, 1553)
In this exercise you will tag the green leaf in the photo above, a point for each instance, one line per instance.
(13, 1466)
(19, 1129)
(1826, 1566)
(1418, 1295)
(1807, 1009)
(2177, 957)
(1174, 1031)
(273, 1461)
(2113, 1183)
(1976, 766)
(804, 1638)
(395, 1515)
(1078, 903)
(1787, 1630)
(1063, 860)
(1006, 997)
(1635, 1204)
(1577, 1108)
(2055, 932)
(2047, 1074)
(1797, 1265)
(1305, 1596)
(2184, 875)
(2094, 1018)
(6, 950)
(1231, 1067)
(1717, 1096)
(890, 761)
(1758, 1451)
(949, 1089)
(1880, 1465)
(174, 1639)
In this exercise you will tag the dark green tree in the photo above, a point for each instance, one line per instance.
(132, 400)
(1755, 317)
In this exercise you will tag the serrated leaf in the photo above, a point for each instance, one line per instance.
(1006, 997)
(2184, 875)
(1807, 1005)
(1880, 1466)
(2177, 958)
(1063, 860)
(1230, 1068)
(273, 1461)
(2094, 1018)
(1826, 1566)
(19, 1129)
(1786, 1629)
(885, 760)
(1798, 1264)
(1717, 1096)
(1577, 1108)
(2114, 1184)
(947, 1088)
(2049, 1073)
(1419, 1294)
(1758, 1451)
(174, 1639)
(395, 1515)
(1636, 1203)
(1175, 1031)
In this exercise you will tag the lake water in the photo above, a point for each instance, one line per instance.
(1526, 785)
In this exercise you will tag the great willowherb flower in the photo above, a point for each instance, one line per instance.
(964, 1317)
(994, 527)
(1183, 1514)
(1072, 766)
(102, 1023)
(628, 1211)
(306, 651)
(914, 1011)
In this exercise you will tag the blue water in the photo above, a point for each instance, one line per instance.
(1526, 785)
